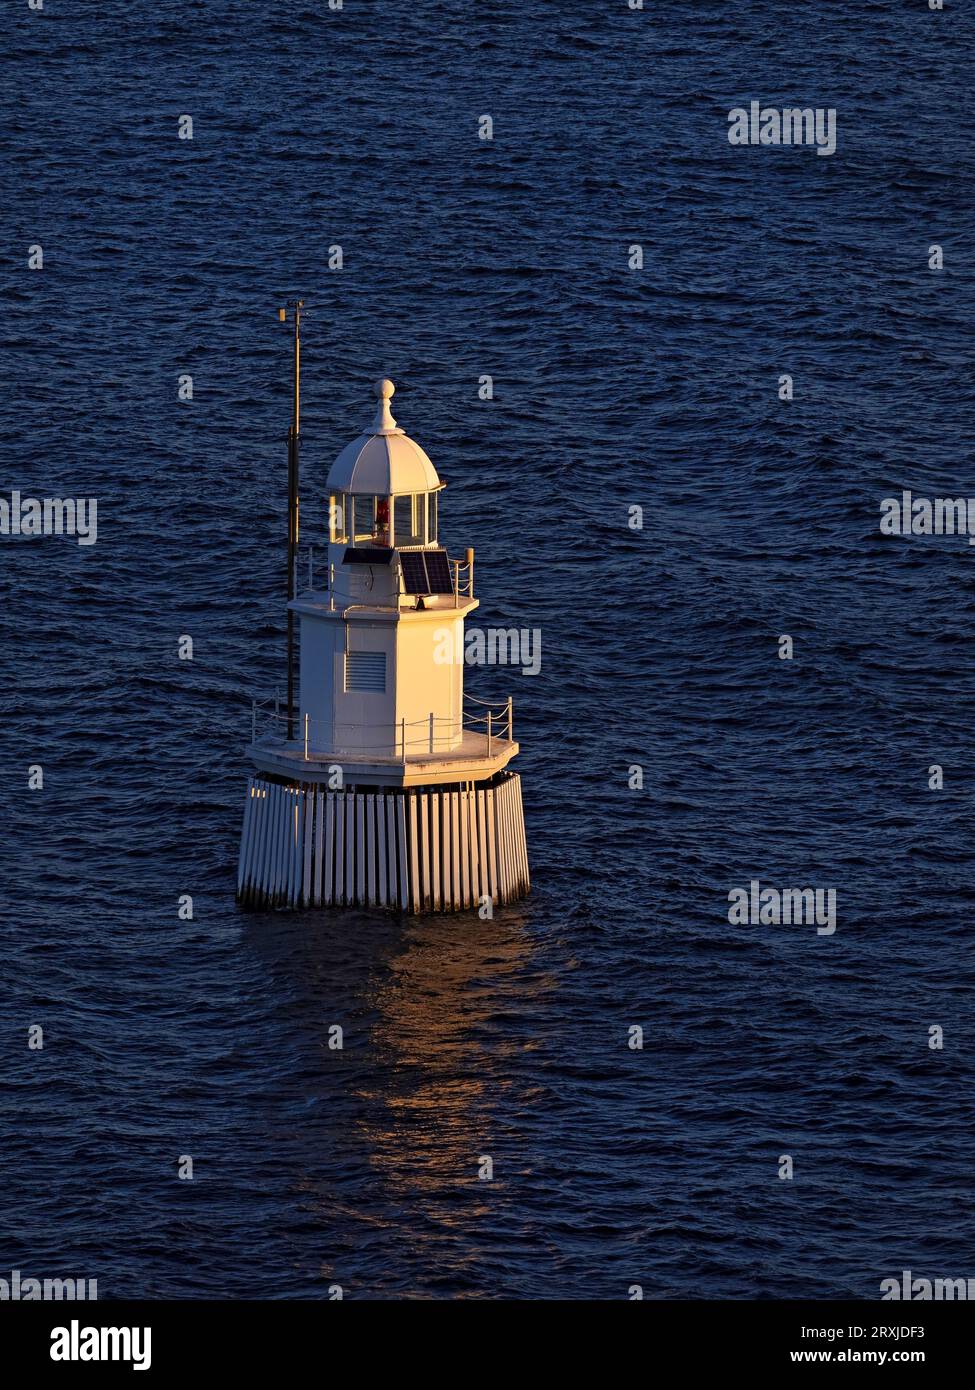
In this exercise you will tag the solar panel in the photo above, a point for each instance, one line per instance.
(438, 572)
(364, 555)
(414, 571)
(426, 572)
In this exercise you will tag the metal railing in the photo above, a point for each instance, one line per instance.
(496, 726)
(462, 572)
(415, 738)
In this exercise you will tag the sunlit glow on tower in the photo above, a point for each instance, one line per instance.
(386, 785)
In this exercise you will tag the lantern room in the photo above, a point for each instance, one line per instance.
(383, 489)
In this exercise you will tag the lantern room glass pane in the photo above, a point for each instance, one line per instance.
(364, 510)
(431, 518)
(408, 519)
(337, 518)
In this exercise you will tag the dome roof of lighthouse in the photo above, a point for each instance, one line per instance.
(383, 460)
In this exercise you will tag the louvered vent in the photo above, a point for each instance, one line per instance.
(365, 671)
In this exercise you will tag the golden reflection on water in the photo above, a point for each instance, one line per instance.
(437, 1000)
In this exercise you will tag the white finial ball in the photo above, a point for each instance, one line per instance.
(384, 389)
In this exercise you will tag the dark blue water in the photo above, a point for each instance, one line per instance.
(613, 388)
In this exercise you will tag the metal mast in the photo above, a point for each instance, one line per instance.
(296, 306)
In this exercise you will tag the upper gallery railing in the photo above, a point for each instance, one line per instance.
(321, 579)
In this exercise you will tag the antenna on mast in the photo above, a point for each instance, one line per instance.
(296, 306)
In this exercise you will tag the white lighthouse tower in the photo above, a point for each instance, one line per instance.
(386, 786)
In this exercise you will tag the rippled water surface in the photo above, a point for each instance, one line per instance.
(613, 388)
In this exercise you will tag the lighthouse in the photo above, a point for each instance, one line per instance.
(382, 783)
